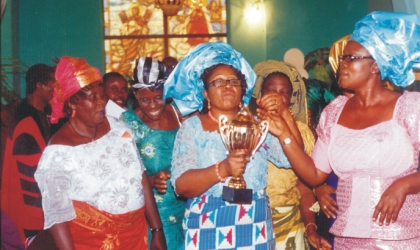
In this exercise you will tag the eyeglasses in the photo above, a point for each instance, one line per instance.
(223, 82)
(351, 58)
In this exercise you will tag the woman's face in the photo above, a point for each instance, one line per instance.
(227, 97)
(151, 103)
(354, 74)
(92, 108)
(278, 84)
(116, 89)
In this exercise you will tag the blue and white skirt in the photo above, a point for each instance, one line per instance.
(212, 223)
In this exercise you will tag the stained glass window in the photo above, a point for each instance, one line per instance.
(135, 28)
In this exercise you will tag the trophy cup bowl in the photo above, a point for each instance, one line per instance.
(243, 132)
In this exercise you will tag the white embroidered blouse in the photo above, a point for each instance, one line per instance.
(106, 174)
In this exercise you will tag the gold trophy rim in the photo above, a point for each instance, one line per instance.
(238, 182)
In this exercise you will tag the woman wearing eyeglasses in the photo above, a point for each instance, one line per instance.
(371, 140)
(217, 80)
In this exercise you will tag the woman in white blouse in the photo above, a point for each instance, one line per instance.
(95, 193)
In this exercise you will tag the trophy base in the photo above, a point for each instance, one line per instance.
(239, 196)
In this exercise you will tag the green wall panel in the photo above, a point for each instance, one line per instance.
(309, 24)
(49, 29)
(247, 38)
(6, 32)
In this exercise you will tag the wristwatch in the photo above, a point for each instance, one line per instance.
(287, 141)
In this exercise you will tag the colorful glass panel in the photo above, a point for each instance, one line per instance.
(121, 54)
(180, 47)
(135, 28)
(132, 18)
(200, 17)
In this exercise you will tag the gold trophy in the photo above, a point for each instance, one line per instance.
(243, 132)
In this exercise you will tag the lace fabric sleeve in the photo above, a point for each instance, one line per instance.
(329, 117)
(275, 152)
(134, 124)
(132, 120)
(185, 152)
(320, 157)
(53, 176)
(133, 132)
(407, 113)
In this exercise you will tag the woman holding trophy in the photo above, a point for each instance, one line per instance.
(216, 80)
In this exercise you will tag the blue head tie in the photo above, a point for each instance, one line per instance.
(184, 84)
(393, 40)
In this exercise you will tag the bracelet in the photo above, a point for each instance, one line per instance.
(306, 227)
(154, 230)
(217, 172)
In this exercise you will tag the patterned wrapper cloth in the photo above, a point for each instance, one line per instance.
(96, 229)
(281, 188)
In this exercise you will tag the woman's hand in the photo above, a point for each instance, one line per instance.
(390, 203)
(274, 110)
(276, 123)
(272, 103)
(158, 241)
(159, 181)
(316, 240)
(235, 163)
(326, 202)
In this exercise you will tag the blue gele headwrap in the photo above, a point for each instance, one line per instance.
(184, 84)
(393, 40)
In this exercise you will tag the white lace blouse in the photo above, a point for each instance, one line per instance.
(106, 174)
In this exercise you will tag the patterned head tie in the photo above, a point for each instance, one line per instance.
(71, 74)
(185, 86)
(149, 73)
(393, 40)
(298, 104)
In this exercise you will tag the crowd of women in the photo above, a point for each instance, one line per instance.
(153, 175)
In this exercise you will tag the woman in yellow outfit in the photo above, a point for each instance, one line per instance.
(290, 199)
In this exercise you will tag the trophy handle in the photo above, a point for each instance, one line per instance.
(223, 124)
(264, 132)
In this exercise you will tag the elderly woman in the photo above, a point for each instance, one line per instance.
(216, 80)
(155, 124)
(370, 140)
(95, 193)
(289, 197)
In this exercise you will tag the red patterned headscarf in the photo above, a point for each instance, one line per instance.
(71, 74)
